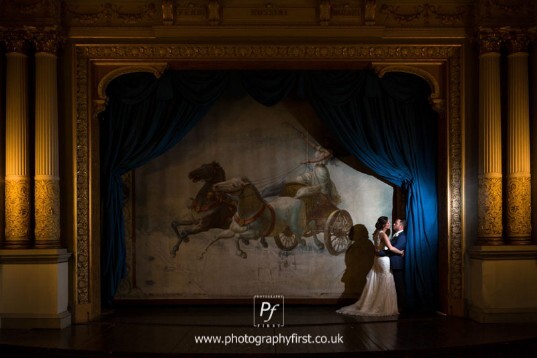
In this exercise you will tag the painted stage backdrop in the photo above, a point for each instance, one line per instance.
(277, 222)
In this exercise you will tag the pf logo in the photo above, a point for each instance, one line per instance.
(268, 311)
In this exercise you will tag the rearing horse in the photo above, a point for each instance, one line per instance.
(208, 209)
(257, 219)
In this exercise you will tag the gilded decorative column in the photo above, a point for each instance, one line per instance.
(518, 142)
(490, 227)
(47, 180)
(17, 230)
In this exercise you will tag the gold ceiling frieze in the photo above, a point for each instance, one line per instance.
(111, 13)
(81, 16)
(425, 14)
(273, 52)
(508, 7)
(30, 12)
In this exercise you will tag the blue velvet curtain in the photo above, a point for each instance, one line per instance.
(386, 123)
(389, 125)
(143, 119)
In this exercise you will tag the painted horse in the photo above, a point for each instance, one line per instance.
(256, 218)
(209, 209)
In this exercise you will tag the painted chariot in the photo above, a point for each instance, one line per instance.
(323, 217)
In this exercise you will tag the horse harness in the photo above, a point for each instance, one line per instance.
(257, 215)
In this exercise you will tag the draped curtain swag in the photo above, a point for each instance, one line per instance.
(387, 123)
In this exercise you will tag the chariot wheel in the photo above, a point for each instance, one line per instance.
(336, 231)
(286, 240)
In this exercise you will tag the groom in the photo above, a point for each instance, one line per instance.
(397, 262)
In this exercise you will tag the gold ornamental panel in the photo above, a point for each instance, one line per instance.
(17, 211)
(519, 207)
(47, 211)
(490, 227)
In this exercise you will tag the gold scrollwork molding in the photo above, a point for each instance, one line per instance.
(82, 248)
(490, 226)
(455, 180)
(255, 52)
(47, 212)
(17, 211)
(519, 209)
(425, 13)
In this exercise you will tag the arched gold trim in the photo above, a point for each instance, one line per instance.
(429, 78)
(155, 68)
(436, 96)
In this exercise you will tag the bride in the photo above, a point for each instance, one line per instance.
(379, 297)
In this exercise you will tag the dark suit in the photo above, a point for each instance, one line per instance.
(397, 266)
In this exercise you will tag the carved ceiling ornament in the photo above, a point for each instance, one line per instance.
(167, 12)
(416, 13)
(509, 7)
(33, 11)
(370, 12)
(213, 12)
(324, 12)
(86, 56)
(108, 13)
(424, 13)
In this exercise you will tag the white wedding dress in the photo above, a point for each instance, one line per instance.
(379, 297)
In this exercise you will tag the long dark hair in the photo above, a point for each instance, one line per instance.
(381, 222)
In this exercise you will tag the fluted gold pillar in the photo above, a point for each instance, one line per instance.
(490, 215)
(17, 196)
(518, 142)
(47, 181)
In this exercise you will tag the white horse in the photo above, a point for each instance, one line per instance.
(257, 219)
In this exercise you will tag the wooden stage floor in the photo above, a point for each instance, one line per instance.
(169, 331)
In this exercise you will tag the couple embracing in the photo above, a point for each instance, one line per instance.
(384, 291)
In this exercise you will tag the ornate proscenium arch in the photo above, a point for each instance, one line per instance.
(96, 66)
